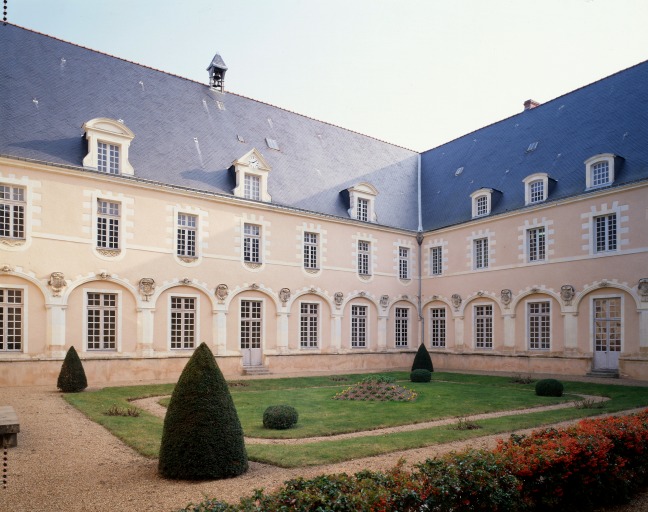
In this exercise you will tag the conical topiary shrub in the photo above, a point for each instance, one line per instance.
(422, 360)
(202, 437)
(72, 378)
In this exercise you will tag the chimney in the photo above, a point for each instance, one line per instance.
(529, 104)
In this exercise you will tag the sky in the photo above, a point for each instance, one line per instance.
(413, 73)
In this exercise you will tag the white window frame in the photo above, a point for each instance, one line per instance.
(251, 244)
(362, 194)
(364, 258)
(252, 186)
(480, 250)
(112, 222)
(592, 165)
(108, 157)
(252, 165)
(187, 235)
(536, 240)
(311, 250)
(13, 204)
(5, 324)
(403, 263)
(603, 229)
(531, 196)
(111, 133)
(251, 319)
(481, 202)
(118, 320)
(593, 319)
(309, 338)
(438, 327)
(538, 325)
(483, 326)
(436, 260)
(359, 333)
(401, 327)
(184, 312)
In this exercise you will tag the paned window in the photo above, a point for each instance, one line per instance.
(107, 224)
(358, 326)
(363, 257)
(108, 158)
(251, 243)
(484, 326)
(539, 318)
(310, 251)
(600, 174)
(102, 321)
(605, 232)
(250, 324)
(401, 325)
(607, 324)
(11, 320)
(363, 209)
(252, 187)
(536, 243)
(536, 191)
(403, 263)
(436, 261)
(308, 325)
(481, 206)
(186, 242)
(12, 212)
(480, 256)
(183, 322)
(438, 327)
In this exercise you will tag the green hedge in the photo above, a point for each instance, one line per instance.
(72, 377)
(280, 417)
(421, 375)
(596, 463)
(549, 387)
(422, 359)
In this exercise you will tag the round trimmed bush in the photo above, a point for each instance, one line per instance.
(72, 378)
(421, 375)
(280, 417)
(549, 387)
(422, 359)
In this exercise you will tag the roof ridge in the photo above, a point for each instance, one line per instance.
(206, 85)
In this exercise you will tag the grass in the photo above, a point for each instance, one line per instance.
(449, 395)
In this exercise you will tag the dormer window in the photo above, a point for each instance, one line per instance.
(481, 202)
(252, 177)
(600, 170)
(362, 202)
(108, 143)
(536, 188)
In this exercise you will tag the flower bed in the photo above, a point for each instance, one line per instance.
(598, 461)
(377, 389)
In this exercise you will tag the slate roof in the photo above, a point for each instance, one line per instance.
(608, 116)
(49, 88)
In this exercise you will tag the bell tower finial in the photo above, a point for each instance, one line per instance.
(217, 70)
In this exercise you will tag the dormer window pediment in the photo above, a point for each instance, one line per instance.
(362, 202)
(601, 170)
(252, 177)
(108, 144)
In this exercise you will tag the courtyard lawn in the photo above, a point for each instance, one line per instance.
(449, 395)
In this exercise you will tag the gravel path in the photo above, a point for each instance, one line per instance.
(65, 462)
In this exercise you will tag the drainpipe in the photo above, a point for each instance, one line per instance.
(419, 240)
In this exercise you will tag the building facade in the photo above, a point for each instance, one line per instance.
(143, 213)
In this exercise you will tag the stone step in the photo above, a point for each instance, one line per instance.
(255, 370)
(604, 374)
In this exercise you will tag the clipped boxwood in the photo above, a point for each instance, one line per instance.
(421, 375)
(280, 417)
(72, 377)
(549, 387)
(422, 359)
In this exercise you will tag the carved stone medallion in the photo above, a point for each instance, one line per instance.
(506, 296)
(57, 283)
(642, 287)
(456, 300)
(222, 291)
(147, 287)
(567, 294)
(338, 298)
(384, 301)
(284, 295)
(186, 280)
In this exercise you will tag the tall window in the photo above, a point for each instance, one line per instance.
(183, 322)
(605, 232)
(252, 187)
(536, 243)
(310, 251)
(403, 263)
(600, 174)
(363, 257)
(363, 209)
(250, 324)
(108, 158)
(107, 224)
(308, 325)
(12, 212)
(186, 243)
(358, 326)
(480, 256)
(481, 206)
(401, 325)
(102, 321)
(11, 320)
(484, 326)
(539, 318)
(438, 327)
(251, 243)
(536, 191)
(436, 261)
(607, 324)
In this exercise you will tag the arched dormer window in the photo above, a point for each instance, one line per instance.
(362, 202)
(536, 188)
(108, 143)
(252, 177)
(481, 202)
(600, 170)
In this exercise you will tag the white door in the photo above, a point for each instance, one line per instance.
(251, 332)
(607, 333)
